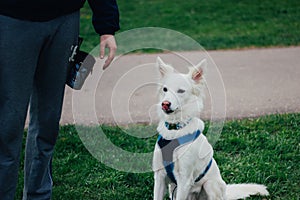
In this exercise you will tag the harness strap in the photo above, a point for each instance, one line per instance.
(167, 148)
(169, 169)
(205, 171)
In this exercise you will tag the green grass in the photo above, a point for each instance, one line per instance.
(263, 150)
(214, 24)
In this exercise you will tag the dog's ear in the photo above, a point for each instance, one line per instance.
(163, 68)
(197, 72)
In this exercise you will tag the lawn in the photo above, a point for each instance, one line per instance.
(214, 24)
(263, 150)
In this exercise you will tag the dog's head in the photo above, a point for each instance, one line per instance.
(180, 95)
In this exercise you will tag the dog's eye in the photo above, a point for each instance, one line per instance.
(180, 91)
(165, 89)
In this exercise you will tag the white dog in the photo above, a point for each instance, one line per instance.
(183, 157)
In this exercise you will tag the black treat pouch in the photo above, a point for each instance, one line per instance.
(82, 64)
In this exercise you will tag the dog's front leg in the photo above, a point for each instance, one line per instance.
(159, 185)
(183, 189)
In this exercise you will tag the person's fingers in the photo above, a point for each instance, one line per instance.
(110, 58)
(104, 42)
(102, 49)
(108, 41)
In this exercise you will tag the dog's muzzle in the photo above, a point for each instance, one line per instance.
(166, 107)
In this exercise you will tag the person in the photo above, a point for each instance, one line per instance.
(35, 45)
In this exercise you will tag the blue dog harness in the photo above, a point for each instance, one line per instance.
(167, 148)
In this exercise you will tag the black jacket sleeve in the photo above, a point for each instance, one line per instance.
(105, 16)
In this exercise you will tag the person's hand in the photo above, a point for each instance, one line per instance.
(107, 41)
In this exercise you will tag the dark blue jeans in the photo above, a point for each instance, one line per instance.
(33, 70)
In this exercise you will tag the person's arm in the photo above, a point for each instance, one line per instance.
(106, 23)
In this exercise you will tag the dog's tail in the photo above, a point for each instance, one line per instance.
(240, 191)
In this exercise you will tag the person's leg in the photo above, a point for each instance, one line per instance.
(46, 105)
(19, 50)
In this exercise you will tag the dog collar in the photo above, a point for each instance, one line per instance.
(177, 126)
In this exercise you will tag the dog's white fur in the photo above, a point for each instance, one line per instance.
(185, 93)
